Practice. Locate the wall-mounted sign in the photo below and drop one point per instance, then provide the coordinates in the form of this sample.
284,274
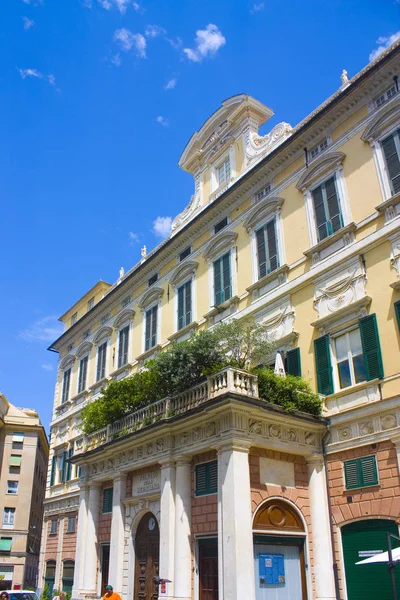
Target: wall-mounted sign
163,587
271,569
146,483
367,553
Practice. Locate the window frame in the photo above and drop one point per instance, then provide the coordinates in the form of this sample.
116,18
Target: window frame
219,259
206,465
181,285
148,309
53,530
383,173
336,378
103,343
15,493
103,497
81,388
125,330
9,522
229,155
90,304
71,520
322,183
66,389
360,476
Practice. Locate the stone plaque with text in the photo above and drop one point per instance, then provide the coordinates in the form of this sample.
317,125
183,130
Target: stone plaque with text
146,483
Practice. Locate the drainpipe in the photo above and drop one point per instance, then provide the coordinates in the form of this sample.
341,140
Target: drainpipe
335,565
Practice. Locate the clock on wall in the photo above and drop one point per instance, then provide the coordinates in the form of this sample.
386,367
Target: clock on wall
151,523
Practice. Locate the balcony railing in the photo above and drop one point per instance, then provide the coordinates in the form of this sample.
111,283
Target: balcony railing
228,380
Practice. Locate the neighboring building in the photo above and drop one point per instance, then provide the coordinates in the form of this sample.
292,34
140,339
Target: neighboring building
24,454
301,229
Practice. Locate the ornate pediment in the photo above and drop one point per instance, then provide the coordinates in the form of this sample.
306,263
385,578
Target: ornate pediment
67,361
123,317
102,334
262,210
150,297
84,349
225,240
327,162
387,116
183,272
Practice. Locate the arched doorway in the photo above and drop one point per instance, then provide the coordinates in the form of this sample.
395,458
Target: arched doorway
360,540
279,564
147,549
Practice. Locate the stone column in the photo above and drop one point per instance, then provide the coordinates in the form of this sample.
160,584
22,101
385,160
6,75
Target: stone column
167,525
235,537
183,555
89,576
59,563
320,529
80,542
117,533
396,441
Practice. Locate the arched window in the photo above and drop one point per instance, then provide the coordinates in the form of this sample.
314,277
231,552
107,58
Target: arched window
50,574
68,575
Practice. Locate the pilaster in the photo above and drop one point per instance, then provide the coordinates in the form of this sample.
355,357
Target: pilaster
80,542
183,554
89,578
167,525
117,532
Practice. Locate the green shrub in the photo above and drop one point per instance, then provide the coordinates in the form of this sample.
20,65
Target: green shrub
45,593
290,392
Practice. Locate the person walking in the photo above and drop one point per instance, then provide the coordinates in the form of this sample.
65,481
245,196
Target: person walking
110,594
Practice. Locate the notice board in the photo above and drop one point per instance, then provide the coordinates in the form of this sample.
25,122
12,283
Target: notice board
271,569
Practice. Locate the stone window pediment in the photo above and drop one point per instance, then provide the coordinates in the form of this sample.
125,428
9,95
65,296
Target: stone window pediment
219,244
388,116
320,167
261,211
84,349
102,334
150,297
67,361
125,316
183,272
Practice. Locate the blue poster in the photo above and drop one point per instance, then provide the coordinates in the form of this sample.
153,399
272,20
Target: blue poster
271,569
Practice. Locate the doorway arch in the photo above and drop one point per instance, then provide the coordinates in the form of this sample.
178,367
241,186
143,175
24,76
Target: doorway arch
279,537
147,551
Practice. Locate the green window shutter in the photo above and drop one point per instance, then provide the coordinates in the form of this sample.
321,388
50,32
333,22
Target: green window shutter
188,302
351,474
15,460
320,215
293,364
212,477
332,201
272,246
371,347
226,275
148,329
392,161
107,500
53,470
261,253
64,467
5,544
397,311
206,475
323,365
218,295
368,470
69,465
181,307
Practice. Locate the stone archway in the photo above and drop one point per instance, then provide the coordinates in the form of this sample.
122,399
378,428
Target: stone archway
147,550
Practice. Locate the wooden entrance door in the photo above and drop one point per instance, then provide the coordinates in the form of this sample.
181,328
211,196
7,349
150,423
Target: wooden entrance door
105,564
208,569
147,548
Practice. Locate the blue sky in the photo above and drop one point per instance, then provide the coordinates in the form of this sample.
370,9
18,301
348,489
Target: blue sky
97,101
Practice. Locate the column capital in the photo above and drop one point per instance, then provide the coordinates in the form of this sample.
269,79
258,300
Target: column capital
182,460
234,446
315,460
166,462
395,438
122,475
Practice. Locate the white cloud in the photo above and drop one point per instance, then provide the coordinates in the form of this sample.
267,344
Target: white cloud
37,74
153,31
47,367
116,59
257,7
121,5
171,84
176,44
162,226
134,238
384,42
51,79
207,43
46,329
28,23
128,40
163,121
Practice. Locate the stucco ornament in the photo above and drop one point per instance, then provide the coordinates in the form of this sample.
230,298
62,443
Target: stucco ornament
257,145
344,77
255,426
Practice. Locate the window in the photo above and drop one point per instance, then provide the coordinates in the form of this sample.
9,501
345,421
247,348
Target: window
71,525
101,361
8,518
152,280
68,474
224,172
185,304
349,359
125,302
83,364
58,469
107,500
5,544
206,476
185,253
222,279
90,304
18,436
220,225
74,318
68,575
50,574
263,193
53,526
151,328
65,386
267,249
391,152
318,148
360,472
357,355
15,460
123,345
12,487
328,216
386,96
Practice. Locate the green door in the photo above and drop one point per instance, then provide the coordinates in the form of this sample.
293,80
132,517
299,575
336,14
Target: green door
368,582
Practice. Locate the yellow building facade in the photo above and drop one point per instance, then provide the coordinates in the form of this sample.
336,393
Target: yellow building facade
300,229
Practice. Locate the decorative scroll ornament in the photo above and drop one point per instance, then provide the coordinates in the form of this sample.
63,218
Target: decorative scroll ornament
257,146
193,206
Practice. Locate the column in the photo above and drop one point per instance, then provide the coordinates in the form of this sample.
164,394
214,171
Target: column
42,559
320,529
80,542
89,578
396,441
59,563
235,537
116,569
183,554
167,526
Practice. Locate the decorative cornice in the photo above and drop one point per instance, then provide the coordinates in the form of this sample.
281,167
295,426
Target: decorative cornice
84,349
183,271
124,316
151,296
67,361
388,115
225,239
261,210
102,334
326,163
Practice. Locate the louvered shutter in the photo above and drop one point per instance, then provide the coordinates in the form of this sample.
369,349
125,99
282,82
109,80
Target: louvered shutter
53,470
181,308
323,365
206,475
332,201
261,253
226,276
107,500
148,329
212,483
272,248
392,161
69,465
351,474
188,302
371,347
397,311
201,485
154,326
63,467
217,282
293,364
320,216
368,469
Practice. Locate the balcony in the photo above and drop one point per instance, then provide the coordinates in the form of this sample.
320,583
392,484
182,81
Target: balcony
226,381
